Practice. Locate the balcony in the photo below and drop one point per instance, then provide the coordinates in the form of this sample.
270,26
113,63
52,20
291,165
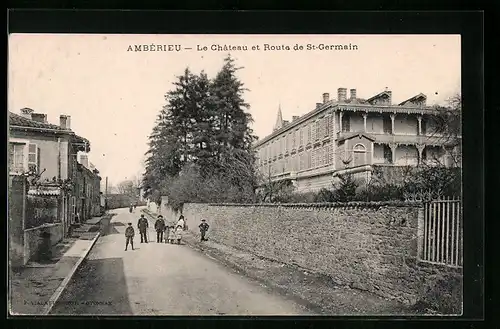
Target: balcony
400,139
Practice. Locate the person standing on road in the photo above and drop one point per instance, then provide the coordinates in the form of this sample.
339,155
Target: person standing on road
181,222
203,229
129,235
167,232
160,228
143,225
171,233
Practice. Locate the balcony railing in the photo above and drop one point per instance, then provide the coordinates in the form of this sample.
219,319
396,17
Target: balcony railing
432,139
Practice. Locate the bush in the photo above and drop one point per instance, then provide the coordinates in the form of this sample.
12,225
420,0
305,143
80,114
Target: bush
324,195
345,189
388,192
441,294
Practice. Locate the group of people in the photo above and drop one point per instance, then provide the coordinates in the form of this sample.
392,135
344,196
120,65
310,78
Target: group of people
164,232
132,207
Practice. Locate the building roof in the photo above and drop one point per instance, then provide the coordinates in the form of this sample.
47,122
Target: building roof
17,121
379,95
414,98
355,105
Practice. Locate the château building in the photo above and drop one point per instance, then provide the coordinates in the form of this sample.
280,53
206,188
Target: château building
351,135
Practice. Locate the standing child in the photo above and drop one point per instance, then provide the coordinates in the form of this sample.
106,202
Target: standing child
178,233
203,229
129,235
171,235
167,232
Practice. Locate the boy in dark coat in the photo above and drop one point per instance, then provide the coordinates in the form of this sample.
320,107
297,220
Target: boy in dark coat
129,235
160,228
143,225
203,229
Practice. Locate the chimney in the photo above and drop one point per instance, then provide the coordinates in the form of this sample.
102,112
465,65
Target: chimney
39,117
353,94
84,160
326,98
65,121
295,117
318,105
27,112
342,94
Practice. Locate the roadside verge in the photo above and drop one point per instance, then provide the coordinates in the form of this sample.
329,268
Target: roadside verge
36,288
317,292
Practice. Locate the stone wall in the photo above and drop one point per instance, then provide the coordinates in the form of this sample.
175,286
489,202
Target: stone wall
369,246
17,207
32,238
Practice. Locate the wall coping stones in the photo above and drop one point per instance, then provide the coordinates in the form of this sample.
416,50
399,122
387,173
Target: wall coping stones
361,204
43,226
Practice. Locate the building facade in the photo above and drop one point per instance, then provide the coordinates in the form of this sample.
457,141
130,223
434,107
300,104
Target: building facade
47,154
352,135
87,199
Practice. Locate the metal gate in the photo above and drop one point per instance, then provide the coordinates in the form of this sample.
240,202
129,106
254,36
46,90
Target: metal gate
443,232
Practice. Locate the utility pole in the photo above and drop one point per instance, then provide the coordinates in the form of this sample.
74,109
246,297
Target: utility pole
106,188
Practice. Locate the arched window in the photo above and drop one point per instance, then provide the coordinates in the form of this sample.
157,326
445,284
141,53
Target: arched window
359,155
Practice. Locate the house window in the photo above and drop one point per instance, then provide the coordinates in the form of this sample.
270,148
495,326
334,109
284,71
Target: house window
301,136
387,154
328,159
346,123
327,126
424,126
387,125
33,158
318,129
17,157
309,133
359,154
313,158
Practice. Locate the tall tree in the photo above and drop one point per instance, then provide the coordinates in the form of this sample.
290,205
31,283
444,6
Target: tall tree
232,122
204,124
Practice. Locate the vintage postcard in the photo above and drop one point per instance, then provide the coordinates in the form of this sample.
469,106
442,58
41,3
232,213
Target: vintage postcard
235,174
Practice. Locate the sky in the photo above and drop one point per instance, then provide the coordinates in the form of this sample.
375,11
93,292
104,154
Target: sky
113,94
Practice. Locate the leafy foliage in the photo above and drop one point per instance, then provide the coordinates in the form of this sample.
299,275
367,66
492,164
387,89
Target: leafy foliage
200,148
442,294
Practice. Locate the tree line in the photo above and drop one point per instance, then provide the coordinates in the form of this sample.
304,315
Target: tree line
200,149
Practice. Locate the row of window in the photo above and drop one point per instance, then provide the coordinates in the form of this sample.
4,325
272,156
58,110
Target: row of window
312,132
310,159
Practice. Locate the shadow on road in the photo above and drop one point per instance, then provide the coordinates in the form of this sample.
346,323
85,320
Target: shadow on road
99,287
112,228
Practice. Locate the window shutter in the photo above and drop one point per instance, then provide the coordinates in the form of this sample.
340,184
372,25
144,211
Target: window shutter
33,157
38,159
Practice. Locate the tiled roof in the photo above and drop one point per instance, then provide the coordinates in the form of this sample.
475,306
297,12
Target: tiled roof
18,120
377,96
413,98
